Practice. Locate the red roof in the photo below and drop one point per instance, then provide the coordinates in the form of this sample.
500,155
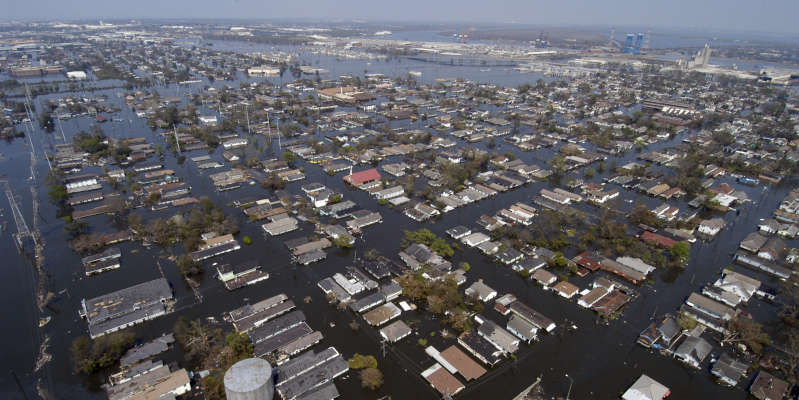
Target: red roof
585,260
659,240
361,177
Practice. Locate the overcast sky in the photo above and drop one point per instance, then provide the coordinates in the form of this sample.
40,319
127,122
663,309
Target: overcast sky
777,16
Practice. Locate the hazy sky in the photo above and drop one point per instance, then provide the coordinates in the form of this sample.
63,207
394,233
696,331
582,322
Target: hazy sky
732,15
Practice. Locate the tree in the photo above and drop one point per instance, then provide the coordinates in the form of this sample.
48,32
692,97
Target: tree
559,261
746,331
46,121
196,338
241,345
343,242
289,157
90,356
791,349
429,239
187,266
371,378
57,193
686,321
640,214
359,361
74,228
681,251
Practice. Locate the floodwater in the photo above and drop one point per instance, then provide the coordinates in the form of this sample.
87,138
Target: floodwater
602,360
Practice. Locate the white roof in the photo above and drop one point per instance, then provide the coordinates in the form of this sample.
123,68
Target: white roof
646,388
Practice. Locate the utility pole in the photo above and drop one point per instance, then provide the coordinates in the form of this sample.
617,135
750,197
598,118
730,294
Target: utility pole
177,142
571,382
61,127
247,114
269,130
278,134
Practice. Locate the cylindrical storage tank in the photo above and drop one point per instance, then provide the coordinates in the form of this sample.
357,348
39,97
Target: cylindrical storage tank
249,379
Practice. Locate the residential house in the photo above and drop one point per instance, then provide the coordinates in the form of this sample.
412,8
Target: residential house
711,227
729,370
481,291
753,242
566,289
693,350
646,388
544,277
768,387
773,250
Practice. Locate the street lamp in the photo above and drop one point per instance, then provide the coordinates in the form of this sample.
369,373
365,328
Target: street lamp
571,382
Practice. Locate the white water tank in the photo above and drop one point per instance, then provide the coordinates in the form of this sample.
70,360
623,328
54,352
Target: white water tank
249,379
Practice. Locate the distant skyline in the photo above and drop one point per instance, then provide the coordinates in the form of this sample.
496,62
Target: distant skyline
772,16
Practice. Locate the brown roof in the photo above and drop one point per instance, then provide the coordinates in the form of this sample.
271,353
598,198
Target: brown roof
566,288
611,303
467,367
766,386
443,381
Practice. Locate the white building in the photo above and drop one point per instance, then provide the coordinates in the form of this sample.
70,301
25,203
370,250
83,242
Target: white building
76,75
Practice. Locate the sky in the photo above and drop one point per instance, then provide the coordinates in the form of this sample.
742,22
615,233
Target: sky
776,16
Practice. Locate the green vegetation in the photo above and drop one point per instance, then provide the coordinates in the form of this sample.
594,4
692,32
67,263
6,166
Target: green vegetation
465,266
422,342
686,321
442,298
46,121
289,157
681,251
247,240
428,238
57,193
455,175
359,361
90,356
371,377
92,143
187,227
559,261
343,242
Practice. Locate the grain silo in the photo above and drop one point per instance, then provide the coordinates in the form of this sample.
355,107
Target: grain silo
249,379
